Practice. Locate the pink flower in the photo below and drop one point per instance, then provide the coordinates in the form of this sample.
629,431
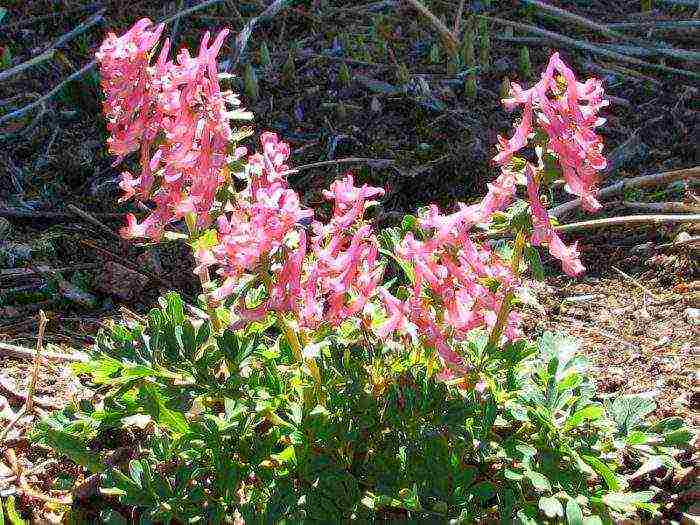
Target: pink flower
567,111
182,103
544,233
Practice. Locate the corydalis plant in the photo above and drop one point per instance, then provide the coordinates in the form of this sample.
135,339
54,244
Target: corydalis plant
269,255
174,113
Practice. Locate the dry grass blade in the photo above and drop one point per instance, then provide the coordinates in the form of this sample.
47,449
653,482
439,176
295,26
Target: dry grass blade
29,406
447,37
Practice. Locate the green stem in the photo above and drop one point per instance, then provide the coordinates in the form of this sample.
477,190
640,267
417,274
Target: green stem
204,277
508,299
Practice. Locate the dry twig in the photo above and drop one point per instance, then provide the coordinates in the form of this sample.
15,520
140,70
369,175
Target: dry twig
662,207
92,220
19,352
637,182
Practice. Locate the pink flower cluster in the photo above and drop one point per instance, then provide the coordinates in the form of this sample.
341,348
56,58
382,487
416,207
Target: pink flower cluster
175,113
324,276
458,284
567,111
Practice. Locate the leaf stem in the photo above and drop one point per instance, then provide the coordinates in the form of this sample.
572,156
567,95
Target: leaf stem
508,299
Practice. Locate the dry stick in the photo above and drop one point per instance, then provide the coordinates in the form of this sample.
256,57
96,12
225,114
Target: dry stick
34,61
448,37
92,220
662,207
18,273
245,33
590,47
676,24
563,14
88,67
631,220
19,352
637,182
10,390
347,160
680,242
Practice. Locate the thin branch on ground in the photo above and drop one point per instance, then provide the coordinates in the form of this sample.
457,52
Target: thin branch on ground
636,283
19,352
631,220
563,14
626,184
12,213
374,163
591,47
49,53
92,220
662,207
88,67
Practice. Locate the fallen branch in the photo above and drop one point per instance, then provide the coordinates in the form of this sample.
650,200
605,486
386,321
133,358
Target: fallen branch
447,36
636,283
37,360
662,207
10,390
592,48
49,53
41,101
637,182
19,352
11,213
18,273
668,51
631,220
675,24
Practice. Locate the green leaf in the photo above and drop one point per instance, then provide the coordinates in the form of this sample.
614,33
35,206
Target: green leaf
288,455
551,507
629,411
12,514
637,437
605,472
592,520
574,516
627,503
589,413
539,481
3,12
678,437
668,425
484,490
532,256
154,404
73,448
